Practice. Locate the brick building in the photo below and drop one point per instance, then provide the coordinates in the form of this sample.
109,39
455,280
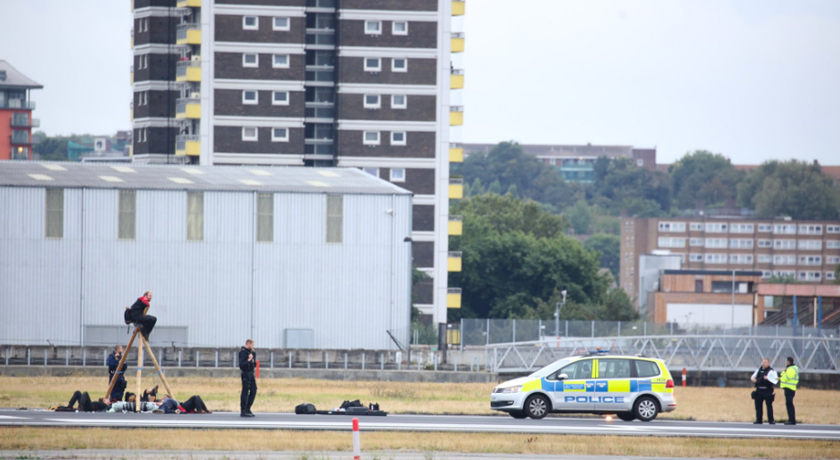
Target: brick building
350,83
16,108
805,250
706,298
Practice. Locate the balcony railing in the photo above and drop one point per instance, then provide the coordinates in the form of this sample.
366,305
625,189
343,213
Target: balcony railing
17,104
188,108
453,298
456,188
188,71
454,261
20,138
456,153
188,144
320,3
189,34
320,39
458,42
456,225
25,123
458,7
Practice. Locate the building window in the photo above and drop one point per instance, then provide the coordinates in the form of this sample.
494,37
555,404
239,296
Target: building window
281,24
372,101
766,274
373,27
832,244
716,228
279,135
741,244
373,64
399,28
696,227
399,101
279,98
398,138
784,273
397,174
672,226
127,228
784,244
784,229
250,60
265,217
195,216
371,137
250,97
832,260
810,245
784,260
335,218
829,275
764,259
765,244
740,259
55,213
250,23
280,61
810,229
742,228
716,242
372,171
765,228
832,228
399,65
695,257
716,258
665,242
250,134
810,260
810,276
698,285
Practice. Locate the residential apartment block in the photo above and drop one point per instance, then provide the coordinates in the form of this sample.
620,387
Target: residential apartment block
16,108
349,83
805,250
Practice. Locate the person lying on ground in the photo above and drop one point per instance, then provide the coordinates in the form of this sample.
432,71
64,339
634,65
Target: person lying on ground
168,405
150,394
194,405
85,403
130,406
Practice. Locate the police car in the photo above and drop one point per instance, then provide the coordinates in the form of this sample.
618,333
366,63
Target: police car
632,387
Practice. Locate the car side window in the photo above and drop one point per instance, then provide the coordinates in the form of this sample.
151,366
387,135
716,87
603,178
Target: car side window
646,369
614,368
577,370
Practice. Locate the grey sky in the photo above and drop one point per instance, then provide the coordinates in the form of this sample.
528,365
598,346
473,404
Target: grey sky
752,79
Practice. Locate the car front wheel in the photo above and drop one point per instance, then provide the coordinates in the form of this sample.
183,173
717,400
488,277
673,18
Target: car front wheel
645,409
537,407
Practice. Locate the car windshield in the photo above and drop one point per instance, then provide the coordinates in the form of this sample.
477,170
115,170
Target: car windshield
551,367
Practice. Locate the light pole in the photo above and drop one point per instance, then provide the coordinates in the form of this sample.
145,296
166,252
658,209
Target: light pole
733,300
557,307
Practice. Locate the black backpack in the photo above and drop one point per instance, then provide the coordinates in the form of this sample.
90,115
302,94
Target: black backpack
127,315
305,408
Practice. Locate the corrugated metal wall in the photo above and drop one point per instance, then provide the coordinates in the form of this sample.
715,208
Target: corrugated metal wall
223,289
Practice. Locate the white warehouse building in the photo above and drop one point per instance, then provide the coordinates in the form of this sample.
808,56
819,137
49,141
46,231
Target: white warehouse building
291,257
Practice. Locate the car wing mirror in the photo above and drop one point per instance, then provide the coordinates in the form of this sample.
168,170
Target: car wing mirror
562,377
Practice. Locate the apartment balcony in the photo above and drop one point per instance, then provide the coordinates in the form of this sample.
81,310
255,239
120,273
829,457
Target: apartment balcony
188,4
456,153
17,104
187,145
17,122
459,7
189,34
132,38
456,225
458,41
453,261
456,79
20,137
188,71
453,298
131,111
188,108
132,76
456,188
456,115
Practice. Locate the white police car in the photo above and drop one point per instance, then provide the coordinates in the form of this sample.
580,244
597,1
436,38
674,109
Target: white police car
632,387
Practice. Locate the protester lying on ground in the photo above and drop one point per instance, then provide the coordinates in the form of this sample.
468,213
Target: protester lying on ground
168,405
194,405
150,394
85,403
130,406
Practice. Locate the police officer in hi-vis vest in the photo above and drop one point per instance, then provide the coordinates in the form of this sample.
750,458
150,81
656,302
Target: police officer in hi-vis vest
789,379
764,379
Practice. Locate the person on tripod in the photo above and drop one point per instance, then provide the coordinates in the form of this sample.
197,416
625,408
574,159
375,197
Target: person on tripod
789,379
140,318
247,365
764,378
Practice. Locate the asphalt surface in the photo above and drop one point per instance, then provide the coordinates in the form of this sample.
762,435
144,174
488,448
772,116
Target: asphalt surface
430,423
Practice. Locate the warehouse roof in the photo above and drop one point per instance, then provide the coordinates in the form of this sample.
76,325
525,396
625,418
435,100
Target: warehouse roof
203,178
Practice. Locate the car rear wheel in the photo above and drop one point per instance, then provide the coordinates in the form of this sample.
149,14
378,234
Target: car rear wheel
626,416
537,407
645,409
518,414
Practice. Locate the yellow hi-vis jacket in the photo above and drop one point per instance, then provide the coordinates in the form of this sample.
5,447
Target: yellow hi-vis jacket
789,378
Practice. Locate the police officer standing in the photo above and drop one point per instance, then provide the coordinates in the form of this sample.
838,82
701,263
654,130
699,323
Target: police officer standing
789,378
113,362
764,379
247,365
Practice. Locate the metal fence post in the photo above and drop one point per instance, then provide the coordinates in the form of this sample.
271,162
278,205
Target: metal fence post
290,360
567,329
45,357
672,328
461,335
593,329
645,328
272,359
488,332
234,358
84,356
381,362
217,358
619,328
104,357
308,361
495,362
7,355
179,358
777,330
66,356
363,360
514,332
326,360
456,364
160,357
345,361
197,357
434,360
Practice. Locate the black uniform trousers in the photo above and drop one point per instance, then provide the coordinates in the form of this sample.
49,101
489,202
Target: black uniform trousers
789,395
249,392
765,396
148,323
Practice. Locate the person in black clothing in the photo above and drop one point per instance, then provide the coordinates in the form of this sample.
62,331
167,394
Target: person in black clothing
764,378
150,394
85,403
113,362
146,322
247,365
194,405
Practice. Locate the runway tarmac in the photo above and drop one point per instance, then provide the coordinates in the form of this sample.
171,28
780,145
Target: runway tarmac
430,423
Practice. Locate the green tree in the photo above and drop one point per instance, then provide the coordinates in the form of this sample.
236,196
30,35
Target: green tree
790,188
495,187
703,175
837,274
513,191
621,185
503,214
609,248
476,188
580,216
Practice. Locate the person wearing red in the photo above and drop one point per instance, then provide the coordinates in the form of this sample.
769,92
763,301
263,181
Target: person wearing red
138,316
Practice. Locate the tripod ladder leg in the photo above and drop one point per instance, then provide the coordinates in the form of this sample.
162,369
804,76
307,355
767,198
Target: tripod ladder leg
137,398
122,361
160,372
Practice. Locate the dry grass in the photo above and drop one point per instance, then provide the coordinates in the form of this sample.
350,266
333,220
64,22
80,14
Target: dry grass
250,440
282,395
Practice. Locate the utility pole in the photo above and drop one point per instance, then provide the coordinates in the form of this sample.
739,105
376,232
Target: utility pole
557,308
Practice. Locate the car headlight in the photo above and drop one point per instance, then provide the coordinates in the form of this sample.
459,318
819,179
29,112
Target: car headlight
515,389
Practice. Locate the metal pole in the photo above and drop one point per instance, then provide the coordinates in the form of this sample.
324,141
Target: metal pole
84,357
456,364
160,357
514,332
557,319
290,360
29,358
381,362
434,359
363,360
326,360
217,358
619,328
488,332
197,357
794,315
644,328
272,359
308,362
104,357
179,358
567,329
66,356
819,317
45,357
345,361
418,364
733,300
593,329
461,335
234,358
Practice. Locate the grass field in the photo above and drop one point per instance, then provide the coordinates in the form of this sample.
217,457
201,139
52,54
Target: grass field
377,445
282,395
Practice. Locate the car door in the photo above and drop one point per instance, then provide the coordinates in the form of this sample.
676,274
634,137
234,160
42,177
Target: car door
573,392
612,385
